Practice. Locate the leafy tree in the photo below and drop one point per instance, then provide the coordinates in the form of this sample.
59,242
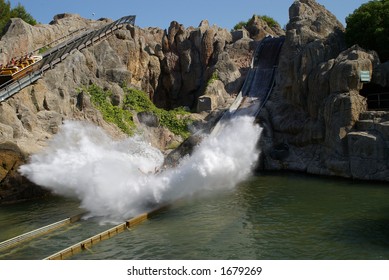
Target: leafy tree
368,26
6,13
240,25
20,12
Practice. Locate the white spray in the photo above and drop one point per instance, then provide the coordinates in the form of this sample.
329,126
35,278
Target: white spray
115,180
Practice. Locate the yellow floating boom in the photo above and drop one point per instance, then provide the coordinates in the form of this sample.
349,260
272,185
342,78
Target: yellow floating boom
89,242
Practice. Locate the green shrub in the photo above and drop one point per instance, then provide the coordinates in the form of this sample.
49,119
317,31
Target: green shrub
240,25
120,117
6,13
138,101
20,12
176,120
43,50
368,26
269,21
214,77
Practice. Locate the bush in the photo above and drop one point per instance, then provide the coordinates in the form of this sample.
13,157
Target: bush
176,120
214,77
240,25
120,117
20,12
5,14
368,26
269,21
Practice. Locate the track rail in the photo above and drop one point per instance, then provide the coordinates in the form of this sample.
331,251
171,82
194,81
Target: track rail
16,241
61,51
89,242
259,83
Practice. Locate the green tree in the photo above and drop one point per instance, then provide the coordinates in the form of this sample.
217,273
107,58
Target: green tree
20,12
239,25
368,26
5,13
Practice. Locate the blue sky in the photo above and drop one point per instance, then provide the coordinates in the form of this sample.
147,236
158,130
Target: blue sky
157,13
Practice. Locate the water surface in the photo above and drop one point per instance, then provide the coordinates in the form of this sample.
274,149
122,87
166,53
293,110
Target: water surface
269,216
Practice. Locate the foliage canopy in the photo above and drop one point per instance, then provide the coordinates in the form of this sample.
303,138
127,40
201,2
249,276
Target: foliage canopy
368,26
6,13
269,20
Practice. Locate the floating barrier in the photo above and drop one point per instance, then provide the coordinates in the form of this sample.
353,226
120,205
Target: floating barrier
89,242
16,241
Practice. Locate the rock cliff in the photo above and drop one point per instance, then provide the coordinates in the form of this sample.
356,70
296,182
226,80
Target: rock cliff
174,66
316,120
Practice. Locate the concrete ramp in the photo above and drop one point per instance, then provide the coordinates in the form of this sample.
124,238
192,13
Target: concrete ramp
259,82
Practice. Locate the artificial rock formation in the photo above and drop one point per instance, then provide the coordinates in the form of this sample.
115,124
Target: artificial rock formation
173,66
316,120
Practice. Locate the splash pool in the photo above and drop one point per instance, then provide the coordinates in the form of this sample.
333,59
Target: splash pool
272,216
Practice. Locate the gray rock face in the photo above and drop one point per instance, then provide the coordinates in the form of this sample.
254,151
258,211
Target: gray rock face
316,120
191,56
259,29
173,66
317,109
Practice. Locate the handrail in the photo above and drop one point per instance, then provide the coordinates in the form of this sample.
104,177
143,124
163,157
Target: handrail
382,101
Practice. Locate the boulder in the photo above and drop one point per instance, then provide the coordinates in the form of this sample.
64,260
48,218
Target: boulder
316,108
148,119
259,29
313,36
13,186
215,97
368,156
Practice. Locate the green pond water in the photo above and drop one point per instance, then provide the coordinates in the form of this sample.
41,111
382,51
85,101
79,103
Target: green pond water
269,216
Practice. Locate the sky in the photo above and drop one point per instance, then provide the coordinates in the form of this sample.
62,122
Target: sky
157,13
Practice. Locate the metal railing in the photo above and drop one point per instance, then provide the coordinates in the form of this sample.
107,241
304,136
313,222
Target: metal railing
60,52
379,100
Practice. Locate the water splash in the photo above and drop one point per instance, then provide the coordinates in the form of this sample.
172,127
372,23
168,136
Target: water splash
116,180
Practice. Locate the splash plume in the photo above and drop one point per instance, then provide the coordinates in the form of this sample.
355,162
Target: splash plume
116,180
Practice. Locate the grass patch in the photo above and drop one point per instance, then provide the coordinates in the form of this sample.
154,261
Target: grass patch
177,120
43,50
117,115
214,77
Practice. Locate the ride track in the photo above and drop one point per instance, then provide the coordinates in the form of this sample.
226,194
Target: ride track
60,52
259,82
255,92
